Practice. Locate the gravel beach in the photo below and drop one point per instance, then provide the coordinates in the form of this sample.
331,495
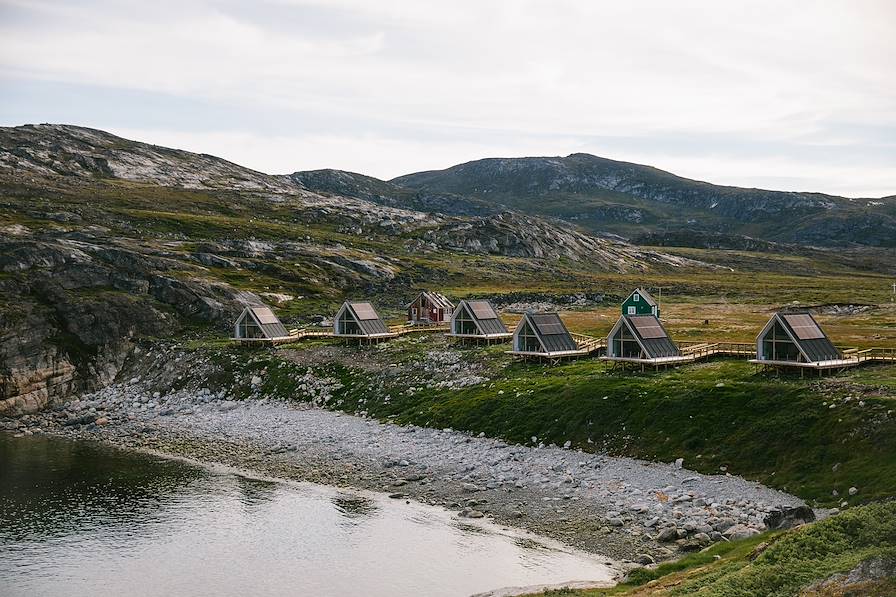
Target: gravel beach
619,507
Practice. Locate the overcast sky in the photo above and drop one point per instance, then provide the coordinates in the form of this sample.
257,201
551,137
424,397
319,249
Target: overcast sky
793,95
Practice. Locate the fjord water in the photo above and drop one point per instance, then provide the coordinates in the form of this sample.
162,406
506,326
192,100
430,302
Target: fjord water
80,518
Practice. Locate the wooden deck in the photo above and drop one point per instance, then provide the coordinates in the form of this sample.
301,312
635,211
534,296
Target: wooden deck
691,351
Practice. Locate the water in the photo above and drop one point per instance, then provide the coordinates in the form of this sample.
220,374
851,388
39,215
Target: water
83,519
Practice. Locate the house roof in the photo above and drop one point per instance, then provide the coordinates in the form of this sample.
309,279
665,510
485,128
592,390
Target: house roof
807,335
646,296
551,331
650,334
366,317
269,323
440,301
484,315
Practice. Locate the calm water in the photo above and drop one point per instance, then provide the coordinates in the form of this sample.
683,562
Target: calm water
83,519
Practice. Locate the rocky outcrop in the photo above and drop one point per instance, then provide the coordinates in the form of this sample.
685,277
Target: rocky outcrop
71,309
66,150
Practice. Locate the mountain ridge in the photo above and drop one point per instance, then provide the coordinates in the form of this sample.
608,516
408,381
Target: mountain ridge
604,195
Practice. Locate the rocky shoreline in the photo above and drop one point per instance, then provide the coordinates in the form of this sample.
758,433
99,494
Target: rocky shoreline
626,509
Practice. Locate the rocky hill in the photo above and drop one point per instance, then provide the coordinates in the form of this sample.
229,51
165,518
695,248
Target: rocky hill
603,195
104,240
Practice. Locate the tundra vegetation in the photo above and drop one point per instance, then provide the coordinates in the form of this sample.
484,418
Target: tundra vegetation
108,244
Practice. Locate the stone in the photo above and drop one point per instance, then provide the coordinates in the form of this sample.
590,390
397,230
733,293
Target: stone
739,531
853,491
471,487
645,559
787,517
615,522
667,534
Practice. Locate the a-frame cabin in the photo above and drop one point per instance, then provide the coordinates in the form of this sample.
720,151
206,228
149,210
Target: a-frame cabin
642,339
796,340
360,320
257,323
544,335
477,320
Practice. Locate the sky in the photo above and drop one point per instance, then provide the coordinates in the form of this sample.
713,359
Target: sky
797,95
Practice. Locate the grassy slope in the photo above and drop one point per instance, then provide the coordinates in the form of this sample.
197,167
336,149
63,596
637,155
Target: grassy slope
783,432
775,564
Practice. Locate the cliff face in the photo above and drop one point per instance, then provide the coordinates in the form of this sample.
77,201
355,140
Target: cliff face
72,307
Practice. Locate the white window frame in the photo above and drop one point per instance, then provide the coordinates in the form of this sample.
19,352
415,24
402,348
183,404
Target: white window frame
636,297
632,310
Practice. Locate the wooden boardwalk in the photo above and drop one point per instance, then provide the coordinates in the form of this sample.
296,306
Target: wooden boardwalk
691,350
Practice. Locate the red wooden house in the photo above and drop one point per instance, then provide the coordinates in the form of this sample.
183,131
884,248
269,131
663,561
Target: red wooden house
430,307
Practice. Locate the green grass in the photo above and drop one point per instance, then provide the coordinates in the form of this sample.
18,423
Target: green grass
780,431
773,564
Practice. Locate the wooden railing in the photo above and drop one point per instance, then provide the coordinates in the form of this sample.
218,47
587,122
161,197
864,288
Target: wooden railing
588,343
700,350
406,328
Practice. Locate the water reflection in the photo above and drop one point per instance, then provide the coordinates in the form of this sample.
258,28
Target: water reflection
50,486
81,519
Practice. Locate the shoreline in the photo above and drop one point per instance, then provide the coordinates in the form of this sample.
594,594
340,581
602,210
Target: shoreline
632,511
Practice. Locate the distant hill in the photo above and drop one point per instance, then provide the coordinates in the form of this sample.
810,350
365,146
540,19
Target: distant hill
603,195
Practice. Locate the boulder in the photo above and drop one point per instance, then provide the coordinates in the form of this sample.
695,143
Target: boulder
787,517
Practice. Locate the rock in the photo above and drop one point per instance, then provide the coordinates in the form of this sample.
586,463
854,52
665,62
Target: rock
739,531
788,517
471,487
645,559
853,491
82,420
102,421
702,538
679,462
615,522
398,496
667,534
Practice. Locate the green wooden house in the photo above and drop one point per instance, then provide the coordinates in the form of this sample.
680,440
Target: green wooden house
640,302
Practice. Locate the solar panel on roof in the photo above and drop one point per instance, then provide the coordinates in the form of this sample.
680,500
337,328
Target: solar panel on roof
804,326
482,310
364,311
548,324
264,315
648,327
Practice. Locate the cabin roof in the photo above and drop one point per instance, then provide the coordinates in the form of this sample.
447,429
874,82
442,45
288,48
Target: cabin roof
269,323
366,317
437,299
650,334
485,316
552,332
645,295
806,334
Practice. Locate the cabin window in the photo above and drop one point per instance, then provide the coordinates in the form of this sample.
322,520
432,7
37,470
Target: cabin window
527,341
777,345
653,310
347,324
632,310
636,297
625,345
414,312
250,329
464,324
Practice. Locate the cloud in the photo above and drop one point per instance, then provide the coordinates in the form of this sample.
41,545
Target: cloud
434,78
